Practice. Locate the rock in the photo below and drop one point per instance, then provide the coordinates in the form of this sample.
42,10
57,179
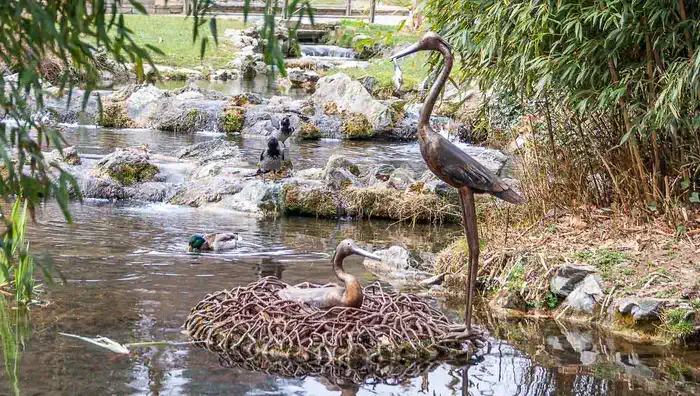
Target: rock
300,199
256,197
401,178
509,299
396,257
586,295
339,161
114,115
310,174
369,82
150,191
383,172
223,75
308,131
126,167
579,341
212,190
567,277
210,151
352,97
357,126
302,78
642,309
69,155
143,103
340,178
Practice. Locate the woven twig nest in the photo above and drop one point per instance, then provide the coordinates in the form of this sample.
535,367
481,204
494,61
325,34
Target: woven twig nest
252,321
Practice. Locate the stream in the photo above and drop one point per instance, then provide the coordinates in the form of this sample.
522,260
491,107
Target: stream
127,277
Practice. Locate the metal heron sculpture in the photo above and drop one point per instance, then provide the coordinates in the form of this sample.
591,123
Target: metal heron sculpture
454,166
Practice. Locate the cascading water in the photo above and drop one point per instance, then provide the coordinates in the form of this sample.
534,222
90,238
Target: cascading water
328,51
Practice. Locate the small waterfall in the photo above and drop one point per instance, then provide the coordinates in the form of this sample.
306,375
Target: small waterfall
328,51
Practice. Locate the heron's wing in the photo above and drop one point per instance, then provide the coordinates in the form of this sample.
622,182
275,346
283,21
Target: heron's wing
465,169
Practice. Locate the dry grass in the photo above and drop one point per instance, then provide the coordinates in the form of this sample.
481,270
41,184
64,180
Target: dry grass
648,260
389,203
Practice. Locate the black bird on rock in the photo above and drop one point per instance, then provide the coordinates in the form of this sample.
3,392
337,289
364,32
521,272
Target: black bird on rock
271,158
453,166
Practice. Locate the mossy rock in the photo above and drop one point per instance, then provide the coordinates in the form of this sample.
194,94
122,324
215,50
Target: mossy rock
309,131
331,108
231,120
127,167
308,201
182,121
357,126
114,116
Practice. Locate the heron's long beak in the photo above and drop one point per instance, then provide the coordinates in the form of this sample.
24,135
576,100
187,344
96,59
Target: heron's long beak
408,51
367,254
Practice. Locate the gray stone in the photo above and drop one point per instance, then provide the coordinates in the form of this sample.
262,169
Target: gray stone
401,178
209,151
369,82
580,341
339,161
352,97
340,178
257,197
143,103
69,155
586,295
642,309
396,257
567,277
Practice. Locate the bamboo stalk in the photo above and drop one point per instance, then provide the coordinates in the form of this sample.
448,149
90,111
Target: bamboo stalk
634,148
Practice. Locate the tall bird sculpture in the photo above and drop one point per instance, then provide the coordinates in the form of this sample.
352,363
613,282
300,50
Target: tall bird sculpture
454,166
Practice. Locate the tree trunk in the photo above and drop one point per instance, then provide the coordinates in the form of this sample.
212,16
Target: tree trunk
348,8
372,9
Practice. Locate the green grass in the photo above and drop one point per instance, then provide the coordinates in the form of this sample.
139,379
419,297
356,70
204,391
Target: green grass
414,69
173,36
609,262
674,326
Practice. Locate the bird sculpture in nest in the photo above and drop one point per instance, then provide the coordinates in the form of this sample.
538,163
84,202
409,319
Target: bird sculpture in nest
327,297
453,166
214,241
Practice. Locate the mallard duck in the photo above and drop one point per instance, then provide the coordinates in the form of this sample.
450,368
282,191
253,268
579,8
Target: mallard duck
214,241
327,297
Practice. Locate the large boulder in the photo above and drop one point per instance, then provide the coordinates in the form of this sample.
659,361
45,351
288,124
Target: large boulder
205,151
142,104
642,309
126,167
352,97
69,155
257,197
567,277
586,296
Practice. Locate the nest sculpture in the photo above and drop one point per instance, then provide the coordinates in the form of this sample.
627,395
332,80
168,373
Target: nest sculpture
253,321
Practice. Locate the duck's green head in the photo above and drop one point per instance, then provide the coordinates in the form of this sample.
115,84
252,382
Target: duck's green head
196,242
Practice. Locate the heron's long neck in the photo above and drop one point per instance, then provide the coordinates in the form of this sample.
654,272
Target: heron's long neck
430,100
352,297
340,271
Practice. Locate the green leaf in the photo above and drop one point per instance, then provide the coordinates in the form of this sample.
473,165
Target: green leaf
203,48
212,28
694,197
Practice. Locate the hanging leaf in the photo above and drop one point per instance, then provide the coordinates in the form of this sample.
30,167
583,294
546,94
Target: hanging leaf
695,197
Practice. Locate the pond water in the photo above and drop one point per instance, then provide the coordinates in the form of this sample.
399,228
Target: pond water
128,278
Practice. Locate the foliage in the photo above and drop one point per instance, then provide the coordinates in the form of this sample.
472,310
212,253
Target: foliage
674,324
616,84
16,264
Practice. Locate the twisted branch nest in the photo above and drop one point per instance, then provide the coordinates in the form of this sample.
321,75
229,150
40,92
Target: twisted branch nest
251,321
